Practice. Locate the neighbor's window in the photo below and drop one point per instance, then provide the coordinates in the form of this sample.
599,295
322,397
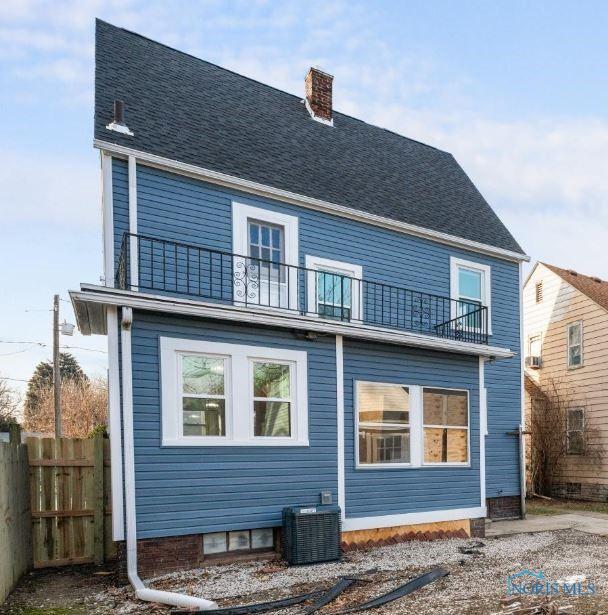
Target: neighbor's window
470,287
575,344
535,346
203,395
446,426
272,399
384,423
575,431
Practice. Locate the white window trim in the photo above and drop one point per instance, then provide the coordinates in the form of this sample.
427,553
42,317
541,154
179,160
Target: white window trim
241,214
568,327
416,426
441,464
486,290
239,398
568,430
532,336
316,263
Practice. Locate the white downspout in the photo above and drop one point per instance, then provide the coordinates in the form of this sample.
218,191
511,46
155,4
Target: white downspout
141,591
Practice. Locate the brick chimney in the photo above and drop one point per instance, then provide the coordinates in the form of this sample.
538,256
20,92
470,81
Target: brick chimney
318,95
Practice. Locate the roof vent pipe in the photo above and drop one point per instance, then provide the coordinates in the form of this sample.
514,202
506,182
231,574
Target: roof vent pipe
118,123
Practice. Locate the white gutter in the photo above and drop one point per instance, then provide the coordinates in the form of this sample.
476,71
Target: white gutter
141,591
237,183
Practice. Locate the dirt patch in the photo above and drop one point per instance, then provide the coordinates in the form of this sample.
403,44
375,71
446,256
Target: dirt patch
476,584
59,591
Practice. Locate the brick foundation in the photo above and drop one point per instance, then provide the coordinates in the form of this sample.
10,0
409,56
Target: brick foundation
593,492
478,528
506,507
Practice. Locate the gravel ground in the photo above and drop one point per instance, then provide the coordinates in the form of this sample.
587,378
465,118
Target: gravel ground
476,584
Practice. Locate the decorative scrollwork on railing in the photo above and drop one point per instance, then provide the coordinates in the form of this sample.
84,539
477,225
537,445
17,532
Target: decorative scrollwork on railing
421,311
246,280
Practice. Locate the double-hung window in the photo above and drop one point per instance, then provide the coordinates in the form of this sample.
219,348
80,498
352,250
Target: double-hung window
574,333
575,431
203,394
470,289
334,288
446,426
384,423
264,268
229,394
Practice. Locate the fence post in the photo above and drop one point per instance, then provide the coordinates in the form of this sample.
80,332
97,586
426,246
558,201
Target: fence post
98,518
14,430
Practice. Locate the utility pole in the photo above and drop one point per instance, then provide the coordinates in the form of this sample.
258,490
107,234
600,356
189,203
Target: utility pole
56,367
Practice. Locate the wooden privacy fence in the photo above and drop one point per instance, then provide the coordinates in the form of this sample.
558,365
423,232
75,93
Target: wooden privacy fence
70,495
15,540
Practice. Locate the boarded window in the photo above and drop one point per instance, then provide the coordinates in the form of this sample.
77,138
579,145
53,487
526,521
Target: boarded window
446,426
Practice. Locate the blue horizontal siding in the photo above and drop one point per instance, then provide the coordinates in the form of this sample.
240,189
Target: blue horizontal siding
196,490
183,209
404,490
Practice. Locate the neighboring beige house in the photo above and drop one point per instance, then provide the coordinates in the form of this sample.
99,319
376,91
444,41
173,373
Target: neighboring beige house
566,342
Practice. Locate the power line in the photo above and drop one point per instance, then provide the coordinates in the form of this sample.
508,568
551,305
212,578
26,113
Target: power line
82,348
43,345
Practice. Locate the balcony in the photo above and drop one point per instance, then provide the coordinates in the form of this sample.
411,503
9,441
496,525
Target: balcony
191,271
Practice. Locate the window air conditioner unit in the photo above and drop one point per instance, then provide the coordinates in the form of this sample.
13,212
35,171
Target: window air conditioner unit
533,362
311,534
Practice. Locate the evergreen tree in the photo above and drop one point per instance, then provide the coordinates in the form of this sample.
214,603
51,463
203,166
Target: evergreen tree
42,379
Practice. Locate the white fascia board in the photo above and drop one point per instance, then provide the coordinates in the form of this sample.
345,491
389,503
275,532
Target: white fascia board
431,516
171,305
286,196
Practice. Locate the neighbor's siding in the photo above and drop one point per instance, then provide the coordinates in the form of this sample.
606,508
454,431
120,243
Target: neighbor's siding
586,386
404,490
195,490
184,209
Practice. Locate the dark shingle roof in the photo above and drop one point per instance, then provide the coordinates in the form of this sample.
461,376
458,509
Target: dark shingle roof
186,109
595,288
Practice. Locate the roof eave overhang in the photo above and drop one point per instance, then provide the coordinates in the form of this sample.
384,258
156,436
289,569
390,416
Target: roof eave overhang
91,301
263,190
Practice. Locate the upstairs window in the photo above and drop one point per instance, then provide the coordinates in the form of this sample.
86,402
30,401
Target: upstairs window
574,333
264,268
575,431
470,288
535,346
333,288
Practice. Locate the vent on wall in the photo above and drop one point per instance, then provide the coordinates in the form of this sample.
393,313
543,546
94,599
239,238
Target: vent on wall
539,292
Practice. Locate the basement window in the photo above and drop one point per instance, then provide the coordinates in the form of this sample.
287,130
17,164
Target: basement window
238,541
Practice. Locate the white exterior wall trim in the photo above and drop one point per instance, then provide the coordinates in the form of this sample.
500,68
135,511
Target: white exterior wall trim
133,251
431,516
107,219
340,423
92,294
286,196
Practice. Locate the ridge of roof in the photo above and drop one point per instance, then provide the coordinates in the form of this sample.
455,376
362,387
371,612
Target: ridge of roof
592,286
190,110
267,85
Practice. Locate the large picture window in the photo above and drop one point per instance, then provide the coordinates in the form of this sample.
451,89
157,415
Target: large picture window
216,394
446,426
384,423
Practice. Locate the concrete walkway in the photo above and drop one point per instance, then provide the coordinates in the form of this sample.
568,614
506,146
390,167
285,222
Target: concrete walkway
591,523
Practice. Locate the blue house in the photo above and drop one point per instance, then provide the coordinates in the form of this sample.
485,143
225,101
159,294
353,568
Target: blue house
301,308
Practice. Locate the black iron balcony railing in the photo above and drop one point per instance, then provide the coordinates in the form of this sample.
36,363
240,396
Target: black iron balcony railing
193,271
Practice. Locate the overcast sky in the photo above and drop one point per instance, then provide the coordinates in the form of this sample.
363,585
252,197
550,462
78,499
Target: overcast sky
516,91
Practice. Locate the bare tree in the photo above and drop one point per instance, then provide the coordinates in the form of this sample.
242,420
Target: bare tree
551,442
84,408
9,402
